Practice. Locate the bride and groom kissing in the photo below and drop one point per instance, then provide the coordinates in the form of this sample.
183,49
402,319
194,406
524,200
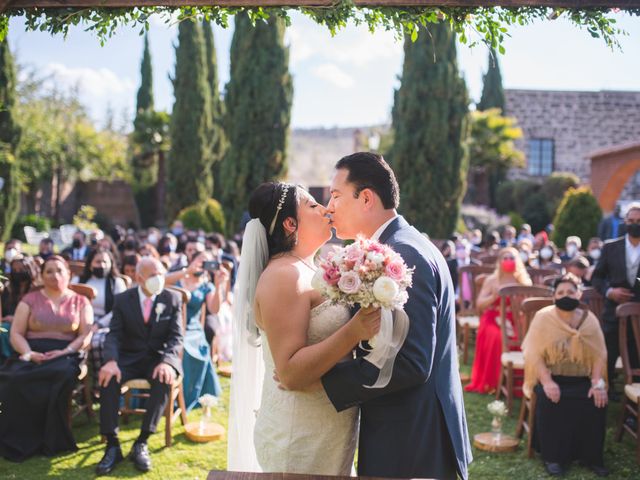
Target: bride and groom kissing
300,397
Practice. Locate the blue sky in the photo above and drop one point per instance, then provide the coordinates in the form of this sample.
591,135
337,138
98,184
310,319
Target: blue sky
347,80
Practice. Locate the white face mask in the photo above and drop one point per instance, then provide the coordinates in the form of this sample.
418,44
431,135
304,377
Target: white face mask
153,239
572,250
154,284
595,253
546,253
10,254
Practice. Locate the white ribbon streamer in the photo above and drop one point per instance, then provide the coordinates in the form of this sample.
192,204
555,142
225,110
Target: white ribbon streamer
387,343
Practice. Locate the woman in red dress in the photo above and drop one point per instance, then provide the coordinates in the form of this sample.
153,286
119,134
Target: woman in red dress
485,372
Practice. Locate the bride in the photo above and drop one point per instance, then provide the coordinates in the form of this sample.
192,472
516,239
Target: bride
285,338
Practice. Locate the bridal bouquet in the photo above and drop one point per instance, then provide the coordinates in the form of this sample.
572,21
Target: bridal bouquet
370,274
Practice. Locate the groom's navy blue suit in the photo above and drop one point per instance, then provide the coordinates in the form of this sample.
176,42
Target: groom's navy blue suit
416,425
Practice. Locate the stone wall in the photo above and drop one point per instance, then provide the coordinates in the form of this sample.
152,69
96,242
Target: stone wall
580,123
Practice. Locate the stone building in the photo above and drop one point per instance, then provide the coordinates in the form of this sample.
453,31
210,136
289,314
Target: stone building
564,130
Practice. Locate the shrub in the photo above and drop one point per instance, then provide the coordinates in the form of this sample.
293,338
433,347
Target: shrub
207,216
578,214
512,194
41,224
555,186
535,211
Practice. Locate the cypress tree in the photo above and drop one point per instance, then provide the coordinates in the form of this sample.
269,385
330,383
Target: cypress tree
217,135
145,92
258,104
9,138
430,127
493,97
189,179
492,92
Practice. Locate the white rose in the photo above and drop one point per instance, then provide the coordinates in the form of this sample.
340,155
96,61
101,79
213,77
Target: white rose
317,282
376,257
385,290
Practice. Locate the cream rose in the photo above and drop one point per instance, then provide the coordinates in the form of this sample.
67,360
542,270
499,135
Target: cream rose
385,290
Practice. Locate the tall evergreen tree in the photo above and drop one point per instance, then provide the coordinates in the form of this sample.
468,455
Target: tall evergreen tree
189,178
9,138
258,104
430,127
217,135
492,92
145,92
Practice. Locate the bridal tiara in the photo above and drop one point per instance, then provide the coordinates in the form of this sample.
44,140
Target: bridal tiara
285,190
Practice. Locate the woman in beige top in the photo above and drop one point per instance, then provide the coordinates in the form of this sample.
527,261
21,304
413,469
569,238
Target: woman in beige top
565,358
51,326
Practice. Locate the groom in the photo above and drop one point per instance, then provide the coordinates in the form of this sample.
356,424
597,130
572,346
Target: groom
416,425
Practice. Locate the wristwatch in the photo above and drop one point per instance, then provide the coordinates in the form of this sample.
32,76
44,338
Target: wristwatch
599,385
26,357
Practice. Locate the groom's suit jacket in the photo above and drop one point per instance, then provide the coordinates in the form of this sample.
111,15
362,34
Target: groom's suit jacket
416,425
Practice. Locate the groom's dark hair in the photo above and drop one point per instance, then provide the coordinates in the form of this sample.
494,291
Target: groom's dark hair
369,170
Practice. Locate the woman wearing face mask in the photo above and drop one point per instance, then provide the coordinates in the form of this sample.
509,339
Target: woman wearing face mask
101,273
50,327
485,372
23,278
200,376
547,257
565,364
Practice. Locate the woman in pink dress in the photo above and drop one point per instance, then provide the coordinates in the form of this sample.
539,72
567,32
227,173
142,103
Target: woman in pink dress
485,372
50,328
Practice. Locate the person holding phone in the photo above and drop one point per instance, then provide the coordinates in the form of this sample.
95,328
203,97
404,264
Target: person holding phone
199,373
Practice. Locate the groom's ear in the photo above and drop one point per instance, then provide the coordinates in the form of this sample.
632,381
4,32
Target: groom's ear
368,197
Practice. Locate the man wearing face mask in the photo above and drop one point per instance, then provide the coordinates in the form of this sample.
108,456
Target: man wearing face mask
78,250
572,248
145,341
616,278
594,250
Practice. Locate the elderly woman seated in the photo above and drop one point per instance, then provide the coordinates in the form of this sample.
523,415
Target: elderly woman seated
565,358
49,329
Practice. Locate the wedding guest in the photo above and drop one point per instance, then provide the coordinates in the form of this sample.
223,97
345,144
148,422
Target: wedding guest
78,250
129,264
11,249
579,266
107,243
148,250
540,240
525,233
485,372
612,226
508,237
565,359
492,242
45,249
594,250
525,250
200,375
548,258
144,341
23,278
50,327
572,247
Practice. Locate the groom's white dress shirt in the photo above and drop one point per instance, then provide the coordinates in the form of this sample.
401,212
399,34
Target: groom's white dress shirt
379,231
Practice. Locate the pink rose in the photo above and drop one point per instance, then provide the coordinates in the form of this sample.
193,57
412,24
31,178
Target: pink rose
376,247
395,271
354,255
349,283
331,275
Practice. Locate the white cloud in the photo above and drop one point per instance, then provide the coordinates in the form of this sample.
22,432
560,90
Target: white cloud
333,74
95,82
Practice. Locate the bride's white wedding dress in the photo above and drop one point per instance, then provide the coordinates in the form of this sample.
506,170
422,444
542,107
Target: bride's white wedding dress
301,432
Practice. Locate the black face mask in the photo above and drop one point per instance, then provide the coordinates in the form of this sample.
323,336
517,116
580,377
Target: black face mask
568,304
164,250
98,272
76,243
44,256
633,229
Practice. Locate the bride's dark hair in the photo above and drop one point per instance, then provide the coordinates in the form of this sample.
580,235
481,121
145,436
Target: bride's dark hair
263,205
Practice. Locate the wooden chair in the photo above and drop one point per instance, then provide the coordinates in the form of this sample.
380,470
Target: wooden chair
76,267
468,316
592,298
81,394
511,358
488,259
526,419
628,315
176,392
549,279
539,274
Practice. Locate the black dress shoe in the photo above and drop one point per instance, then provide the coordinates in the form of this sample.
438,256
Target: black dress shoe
554,469
140,456
112,457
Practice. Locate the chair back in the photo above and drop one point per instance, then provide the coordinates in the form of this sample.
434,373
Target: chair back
549,279
76,267
82,289
186,296
489,259
628,315
530,307
516,294
472,273
539,274
592,298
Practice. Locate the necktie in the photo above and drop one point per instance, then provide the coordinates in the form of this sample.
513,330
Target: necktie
146,311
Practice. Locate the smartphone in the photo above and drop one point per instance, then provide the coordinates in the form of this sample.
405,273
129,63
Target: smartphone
211,265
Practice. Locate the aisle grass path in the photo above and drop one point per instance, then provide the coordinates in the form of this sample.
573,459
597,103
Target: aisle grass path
187,460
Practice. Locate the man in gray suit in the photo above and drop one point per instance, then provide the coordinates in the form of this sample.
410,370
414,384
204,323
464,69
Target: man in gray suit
415,426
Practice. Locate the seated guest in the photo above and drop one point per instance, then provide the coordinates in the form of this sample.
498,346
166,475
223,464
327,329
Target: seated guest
78,250
508,237
547,258
144,341
12,249
525,250
129,264
23,278
572,248
492,242
594,250
525,233
49,329
200,375
101,273
45,249
485,372
579,266
565,362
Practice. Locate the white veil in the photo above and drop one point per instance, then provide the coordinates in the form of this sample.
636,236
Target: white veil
248,366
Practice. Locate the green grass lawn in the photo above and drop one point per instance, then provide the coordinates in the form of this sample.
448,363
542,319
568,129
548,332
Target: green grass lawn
187,460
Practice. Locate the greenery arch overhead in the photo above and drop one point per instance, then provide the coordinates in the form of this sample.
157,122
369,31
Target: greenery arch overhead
474,21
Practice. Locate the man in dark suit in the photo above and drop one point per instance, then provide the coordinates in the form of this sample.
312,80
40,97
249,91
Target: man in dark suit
415,426
145,341
78,250
616,278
